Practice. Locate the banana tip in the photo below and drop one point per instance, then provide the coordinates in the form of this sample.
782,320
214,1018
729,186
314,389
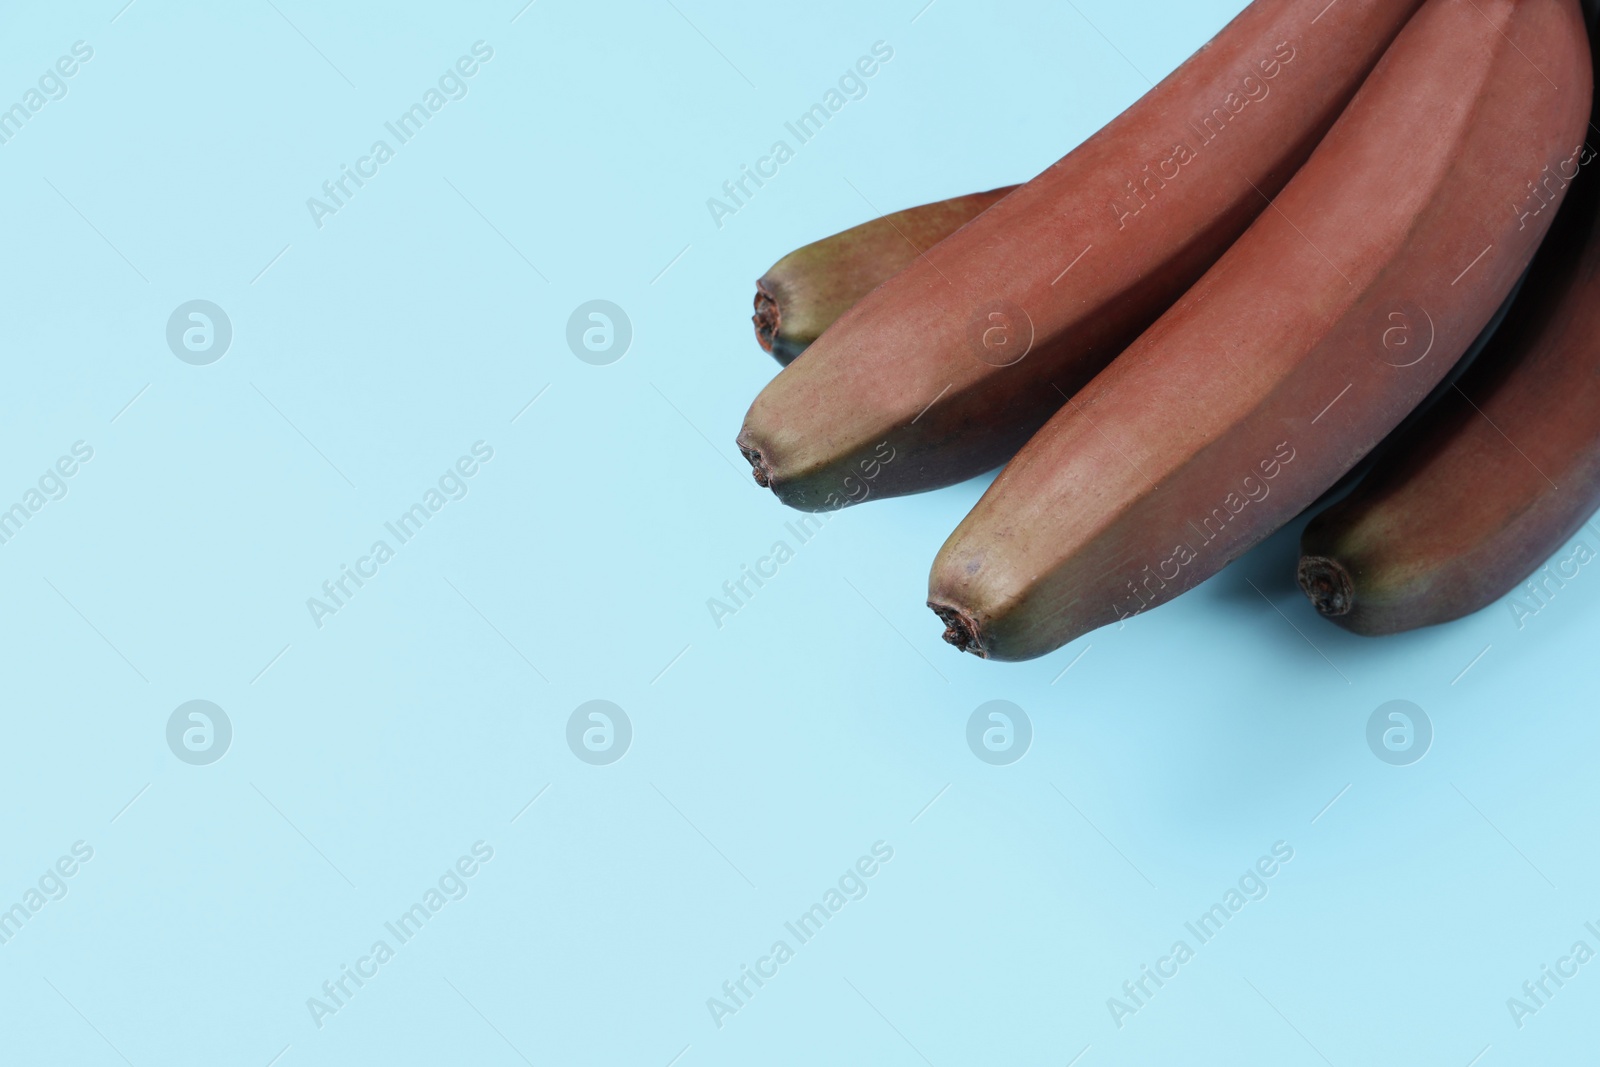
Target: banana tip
758,463
1328,585
960,629
767,316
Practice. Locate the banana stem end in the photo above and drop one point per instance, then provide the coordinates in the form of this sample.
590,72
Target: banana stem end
1328,585
768,316
960,629
758,465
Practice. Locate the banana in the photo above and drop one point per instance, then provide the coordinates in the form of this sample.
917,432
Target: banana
804,292
1313,336
956,360
1499,475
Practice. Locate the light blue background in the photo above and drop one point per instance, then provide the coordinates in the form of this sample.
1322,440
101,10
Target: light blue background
768,754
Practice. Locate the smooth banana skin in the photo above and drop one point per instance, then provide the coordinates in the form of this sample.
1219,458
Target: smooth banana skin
807,290
1498,476
1310,339
959,358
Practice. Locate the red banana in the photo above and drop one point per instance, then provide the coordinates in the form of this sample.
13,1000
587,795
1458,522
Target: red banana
959,358
1500,473
804,292
1309,340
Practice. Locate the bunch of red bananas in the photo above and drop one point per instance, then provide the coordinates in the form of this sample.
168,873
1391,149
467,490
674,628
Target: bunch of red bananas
1262,276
